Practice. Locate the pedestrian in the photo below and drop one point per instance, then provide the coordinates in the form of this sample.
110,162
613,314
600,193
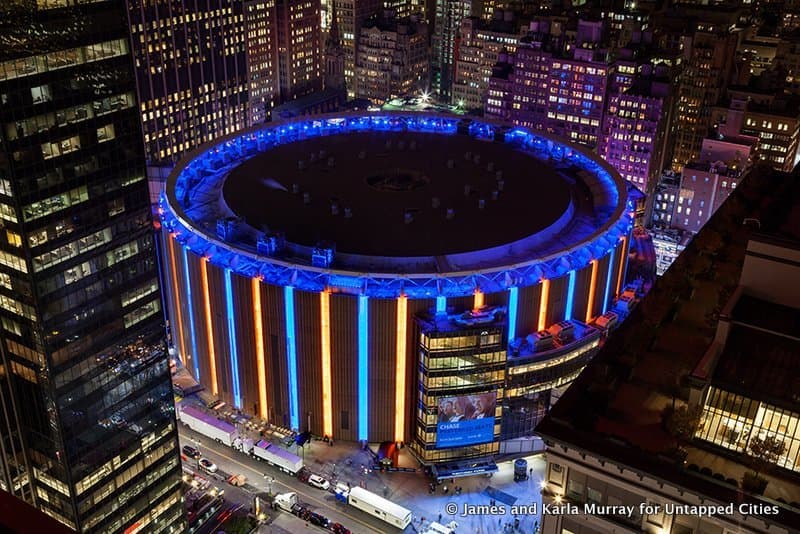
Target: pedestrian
531,471
499,521
444,489
440,518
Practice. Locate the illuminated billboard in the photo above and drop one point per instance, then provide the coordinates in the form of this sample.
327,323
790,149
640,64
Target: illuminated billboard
466,420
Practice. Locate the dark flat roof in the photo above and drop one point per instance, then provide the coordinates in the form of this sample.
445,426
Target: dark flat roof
761,365
767,315
380,188
613,409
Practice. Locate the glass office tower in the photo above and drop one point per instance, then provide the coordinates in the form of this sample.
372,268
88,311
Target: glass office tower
87,427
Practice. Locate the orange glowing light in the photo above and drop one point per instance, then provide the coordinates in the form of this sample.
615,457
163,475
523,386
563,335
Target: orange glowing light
592,291
176,300
261,366
325,339
543,304
400,384
212,358
622,258
478,299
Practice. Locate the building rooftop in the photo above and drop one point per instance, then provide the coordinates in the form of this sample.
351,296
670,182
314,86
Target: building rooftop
383,176
614,408
350,198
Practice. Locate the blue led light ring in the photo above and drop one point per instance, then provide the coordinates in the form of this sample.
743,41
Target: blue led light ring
383,285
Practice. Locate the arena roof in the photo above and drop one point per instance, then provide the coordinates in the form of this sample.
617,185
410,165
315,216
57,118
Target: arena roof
390,182
557,208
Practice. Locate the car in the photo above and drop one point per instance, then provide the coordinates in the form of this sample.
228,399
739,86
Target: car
319,482
208,465
338,528
190,451
303,474
317,519
117,420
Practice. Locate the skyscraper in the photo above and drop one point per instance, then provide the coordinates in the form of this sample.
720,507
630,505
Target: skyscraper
203,70
634,128
392,58
88,432
351,15
449,14
299,48
480,46
700,87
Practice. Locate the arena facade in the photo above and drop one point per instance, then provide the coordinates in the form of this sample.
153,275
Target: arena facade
383,277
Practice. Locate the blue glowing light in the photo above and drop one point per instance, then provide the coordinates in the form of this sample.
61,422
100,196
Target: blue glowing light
189,302
513,300
570,295
441,304
608,279
187,197
237,395
291,357
363,368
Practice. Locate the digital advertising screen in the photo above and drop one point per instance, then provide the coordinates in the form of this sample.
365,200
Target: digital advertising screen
466,420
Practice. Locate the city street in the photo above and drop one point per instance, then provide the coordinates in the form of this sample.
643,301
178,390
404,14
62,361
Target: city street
231,462
344,462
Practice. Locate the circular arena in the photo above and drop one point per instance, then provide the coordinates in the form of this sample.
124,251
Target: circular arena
353,274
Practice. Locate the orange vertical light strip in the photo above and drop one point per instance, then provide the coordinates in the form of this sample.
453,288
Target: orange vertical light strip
543,302
400,384
212,357
478,300
325,341
260,364
176,299
592,290
622,259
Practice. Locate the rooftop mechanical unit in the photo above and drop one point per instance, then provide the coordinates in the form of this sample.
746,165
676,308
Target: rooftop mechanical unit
270,244
229,228
322,254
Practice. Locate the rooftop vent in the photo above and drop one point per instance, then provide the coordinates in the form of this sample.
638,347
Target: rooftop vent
450,164
270,244
481,204
490,166
348,213
322,254
306,198
435,203
295,188
451,214
228,228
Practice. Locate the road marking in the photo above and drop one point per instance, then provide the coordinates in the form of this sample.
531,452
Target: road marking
322,503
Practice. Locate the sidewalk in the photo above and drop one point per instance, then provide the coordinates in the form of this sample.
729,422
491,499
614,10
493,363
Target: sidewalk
345,462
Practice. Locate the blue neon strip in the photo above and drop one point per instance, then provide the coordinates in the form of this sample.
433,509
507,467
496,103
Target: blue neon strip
189,301
291,357
237,396
608,279
570,295
441,304
513,299
363,368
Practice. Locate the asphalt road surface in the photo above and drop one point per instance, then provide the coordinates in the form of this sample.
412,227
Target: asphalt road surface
230,461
